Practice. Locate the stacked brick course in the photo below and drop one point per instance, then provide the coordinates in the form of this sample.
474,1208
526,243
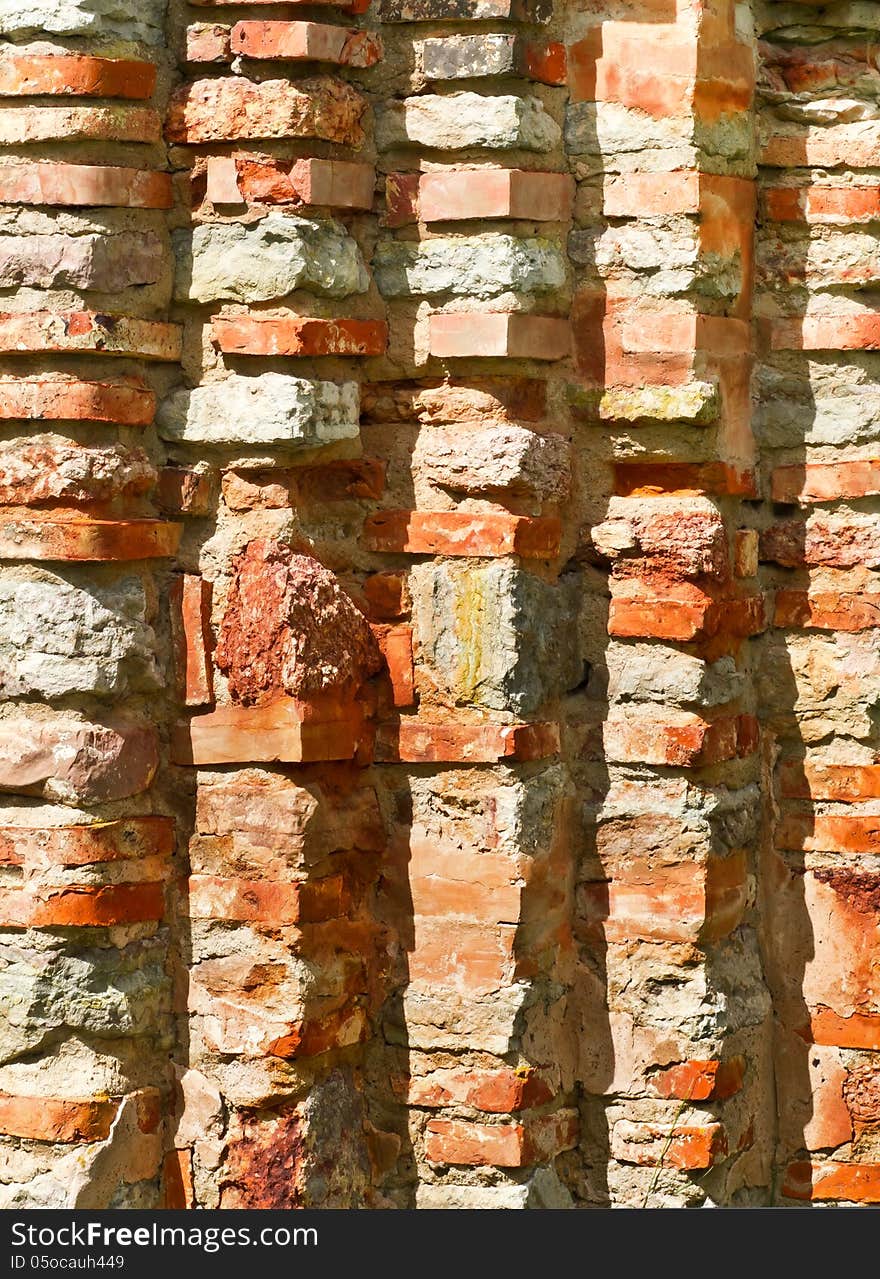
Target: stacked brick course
436,605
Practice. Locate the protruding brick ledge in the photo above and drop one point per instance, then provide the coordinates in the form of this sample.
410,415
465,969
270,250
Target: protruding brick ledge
536,1139
23,538
417,742
75,75
826,481
462,533
826,1180
497,1092
56,1119
89,332
461,194
858,1030
286,731
79,124
640,612
126,402
82,906
515,335
306,42
825,333
298,335
647,479
339,184
129,838
83,185
700,1080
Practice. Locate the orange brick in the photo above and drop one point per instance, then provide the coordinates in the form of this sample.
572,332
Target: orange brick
122,840
688,614
826,333
298,335
190,605
689,1147
498,1092
828,610
208,42
700,1080
79,539
460,194
829,205
316,1035
88,332
75,75
55,1119
417,742
182,491
824,482
396,645
306,42
265,901
177,1183
286,731
82,906
84,185
462,533
680,741
826,1180
841,782
263,179
546,63
519,336
818,832
127,402
457,1141
387,595
646,479
858,1030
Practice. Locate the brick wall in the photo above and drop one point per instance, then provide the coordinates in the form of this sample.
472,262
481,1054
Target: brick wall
437,604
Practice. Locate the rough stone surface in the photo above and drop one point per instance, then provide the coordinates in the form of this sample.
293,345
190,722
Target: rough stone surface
45,469
464,120
288,628
503,458
479,265
102,18
273,409
77,763
221,110
105,263
266,260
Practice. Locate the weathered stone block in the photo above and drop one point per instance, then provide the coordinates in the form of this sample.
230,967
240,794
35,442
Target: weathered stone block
106,263
49,468
225,109
120,18
474,633
274,410
505,458
467,120
480,265
76,762
267,259
62,635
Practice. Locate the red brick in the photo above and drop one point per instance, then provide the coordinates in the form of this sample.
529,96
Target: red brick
76,75
458,1141
129,838
177,1183
501,1091
646,479
681,740
828,205
546,63
221,110
83,906
825,482
190,605
519,336
88,332
127,402
841,782
263,179
700,1080
208,42
298,335
265,901
826,333
689,1147
79,124
84,185
82,539
417,742
456,955
182,491
306,42
460,194
57,1119
835,540
462,533
285,731
387,595
828,610
821,832
316,1035
644,195
858,1030
396,646
826,147
222,181
827,1180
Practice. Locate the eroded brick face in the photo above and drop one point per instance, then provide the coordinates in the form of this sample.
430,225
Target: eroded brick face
439,471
